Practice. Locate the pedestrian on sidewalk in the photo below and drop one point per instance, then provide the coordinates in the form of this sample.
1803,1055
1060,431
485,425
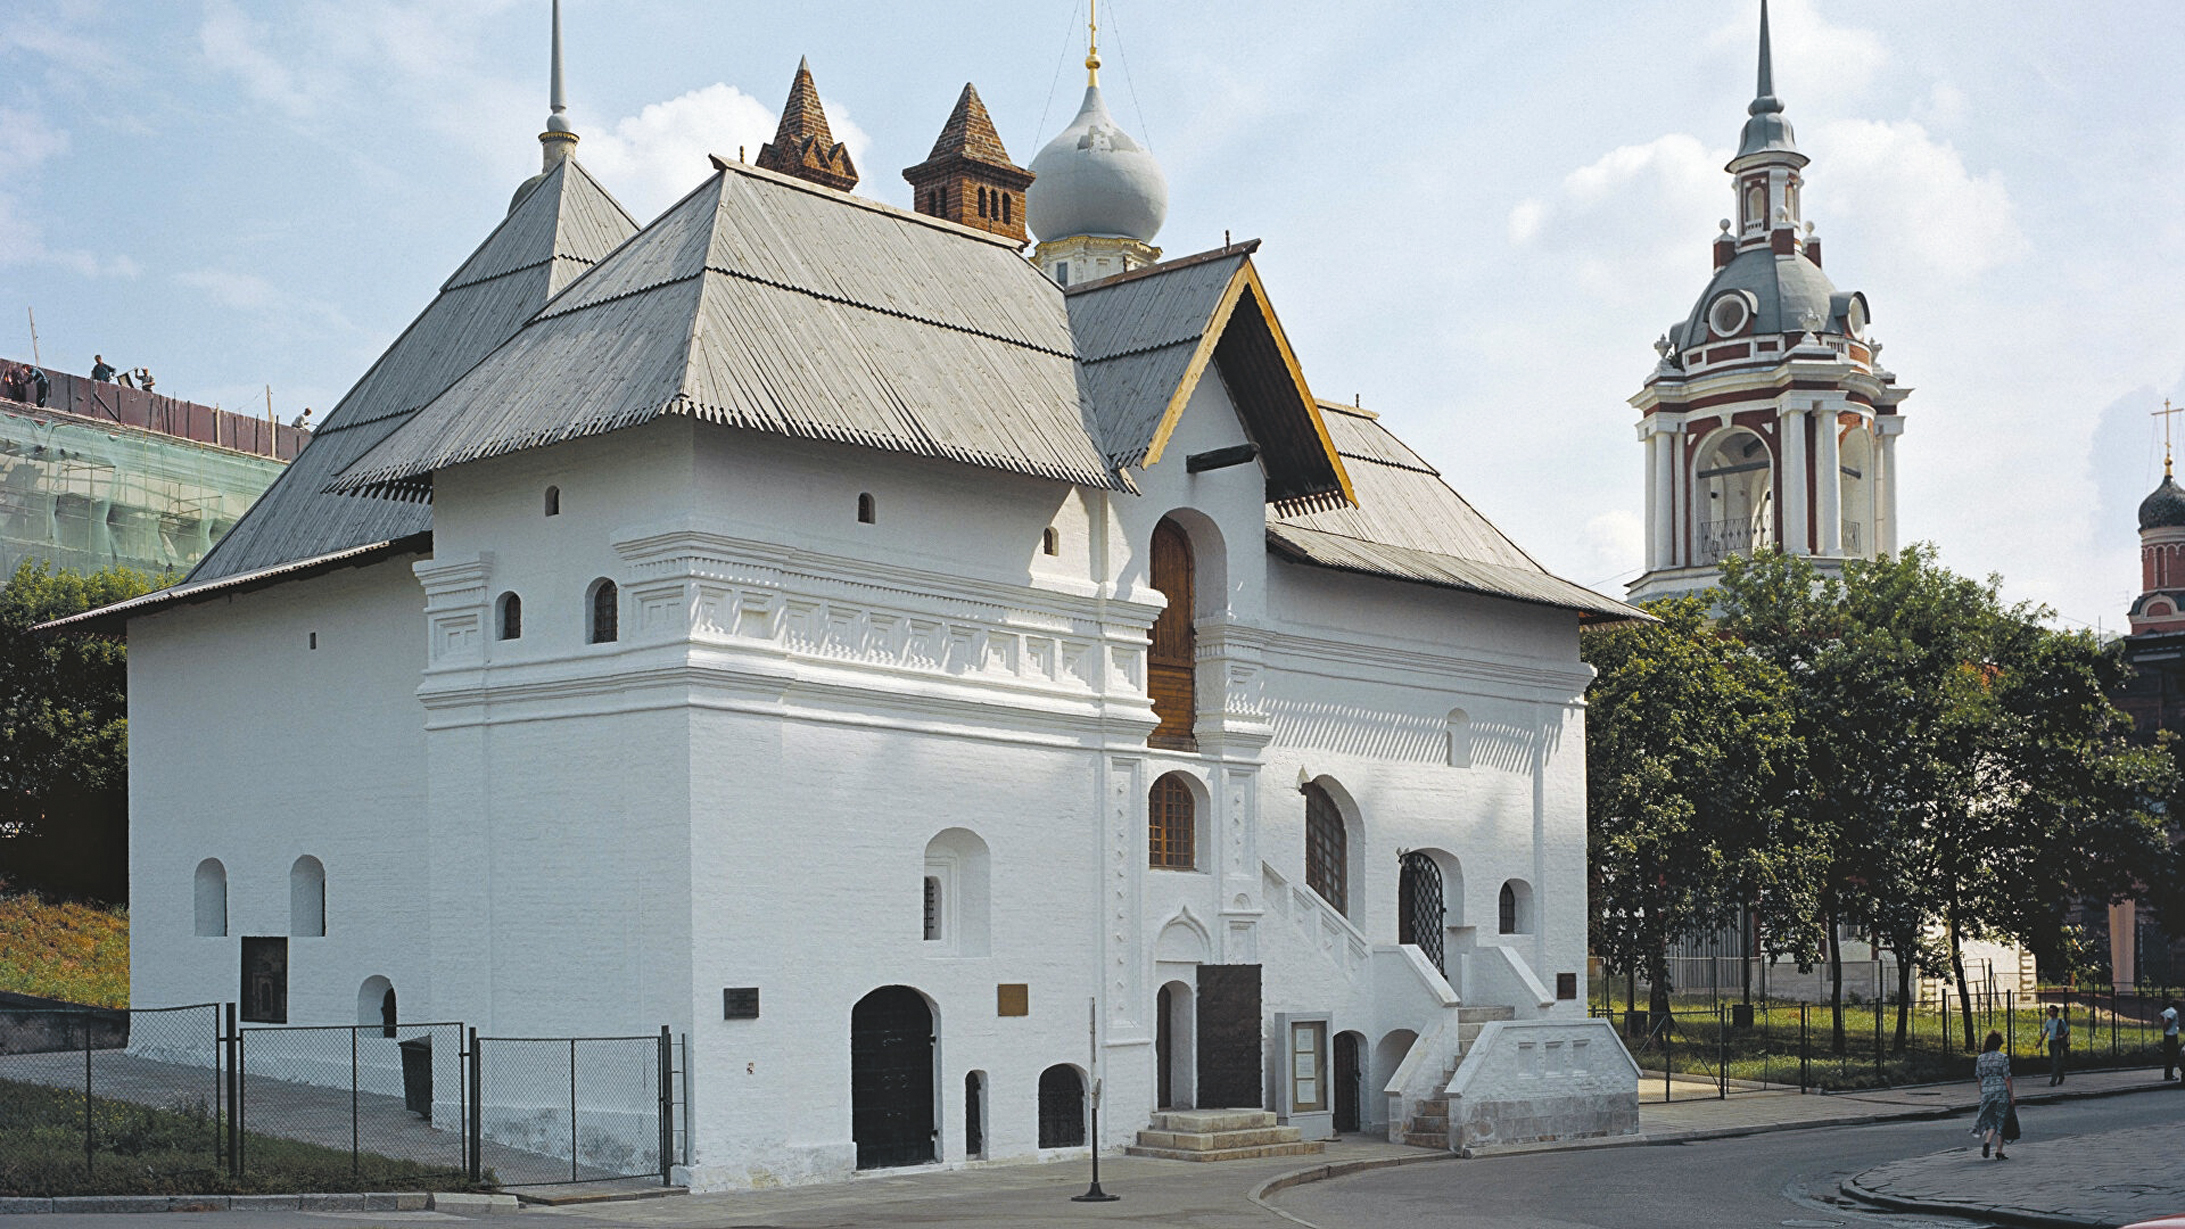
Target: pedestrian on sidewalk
2056,1033
1993,1070
2169,1039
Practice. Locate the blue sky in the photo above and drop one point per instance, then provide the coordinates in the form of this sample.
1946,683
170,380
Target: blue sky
1477,217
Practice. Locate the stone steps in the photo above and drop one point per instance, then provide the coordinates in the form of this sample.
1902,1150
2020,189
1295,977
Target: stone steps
1220,1135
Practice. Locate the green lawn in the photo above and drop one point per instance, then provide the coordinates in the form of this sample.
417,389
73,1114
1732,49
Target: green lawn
143,1151
1771,1050
73,952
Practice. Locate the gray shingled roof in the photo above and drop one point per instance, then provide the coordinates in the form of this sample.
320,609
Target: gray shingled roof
1409,525
769,304
1135,338
553,234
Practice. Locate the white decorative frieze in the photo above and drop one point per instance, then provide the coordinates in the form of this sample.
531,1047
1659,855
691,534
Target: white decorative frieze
455,608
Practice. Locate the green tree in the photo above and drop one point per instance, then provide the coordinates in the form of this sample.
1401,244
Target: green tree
1687,740
64,742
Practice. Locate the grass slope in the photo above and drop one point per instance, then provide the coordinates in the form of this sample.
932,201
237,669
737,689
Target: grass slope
75,952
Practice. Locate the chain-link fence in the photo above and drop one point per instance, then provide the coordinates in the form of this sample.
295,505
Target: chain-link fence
1720,1049
575,1109
390,1097
92,1092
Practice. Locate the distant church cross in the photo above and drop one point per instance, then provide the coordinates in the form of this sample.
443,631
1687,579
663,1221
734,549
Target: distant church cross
2166,413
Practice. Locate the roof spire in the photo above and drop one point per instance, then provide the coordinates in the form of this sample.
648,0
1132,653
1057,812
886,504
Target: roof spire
559,139
803,146
1092,42
1764,99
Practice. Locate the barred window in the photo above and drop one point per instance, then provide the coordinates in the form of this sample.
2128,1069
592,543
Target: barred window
1171,825
606,613
1327,851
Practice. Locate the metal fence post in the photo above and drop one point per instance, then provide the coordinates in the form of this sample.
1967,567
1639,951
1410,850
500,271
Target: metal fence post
572,1109
1722,1055
667,1104
227,1044
87,1145
1805,1048
688,1130
475,1136
1881,1076
355,1161
2010,1023
242,1100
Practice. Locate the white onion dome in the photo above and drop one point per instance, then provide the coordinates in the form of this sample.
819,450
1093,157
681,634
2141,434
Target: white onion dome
1093,179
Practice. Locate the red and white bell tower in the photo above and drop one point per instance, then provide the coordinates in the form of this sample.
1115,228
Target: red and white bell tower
1768,421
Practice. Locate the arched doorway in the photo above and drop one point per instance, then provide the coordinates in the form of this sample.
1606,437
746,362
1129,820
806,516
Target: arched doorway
1733,495
1173,1043
1349,1075
891,1078
1419,917
1061,1107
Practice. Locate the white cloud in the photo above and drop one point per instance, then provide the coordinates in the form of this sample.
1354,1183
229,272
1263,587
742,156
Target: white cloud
242,48
1616,543
1811,55
651,159
247,292
27,140
1525,218
1916,203
22,242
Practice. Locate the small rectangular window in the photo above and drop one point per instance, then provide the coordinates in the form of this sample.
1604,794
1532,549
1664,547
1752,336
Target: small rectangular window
933,909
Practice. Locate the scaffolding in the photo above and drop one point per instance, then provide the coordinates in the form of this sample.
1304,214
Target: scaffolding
85,495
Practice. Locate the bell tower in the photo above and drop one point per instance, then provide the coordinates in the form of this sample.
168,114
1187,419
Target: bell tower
1768,421
968,178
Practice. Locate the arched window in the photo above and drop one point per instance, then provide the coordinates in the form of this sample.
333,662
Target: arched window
307,898
1514,909
974,1114
866,513
606,613
1733,495
1050,541
1170,676
1005,198
376,1005
212,897
1756,205
1172,825
956,893
1061,1107
553,501
1327,852
511,618
982,203
1459,738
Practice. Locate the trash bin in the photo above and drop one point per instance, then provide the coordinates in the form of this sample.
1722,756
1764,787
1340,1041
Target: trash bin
417,1076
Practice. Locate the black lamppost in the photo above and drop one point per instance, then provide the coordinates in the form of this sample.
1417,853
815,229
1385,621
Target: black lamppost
1093,1193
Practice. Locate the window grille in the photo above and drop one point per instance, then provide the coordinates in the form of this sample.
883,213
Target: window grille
553,501
606,613
511,617
933,908
866,514
1171,825
1061,1108
1326,849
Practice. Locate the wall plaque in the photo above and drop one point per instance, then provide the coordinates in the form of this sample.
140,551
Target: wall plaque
740,1003
1566,985
1012,999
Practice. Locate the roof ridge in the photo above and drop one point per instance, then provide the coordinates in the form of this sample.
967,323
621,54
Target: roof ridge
1245,248
824,297
754,171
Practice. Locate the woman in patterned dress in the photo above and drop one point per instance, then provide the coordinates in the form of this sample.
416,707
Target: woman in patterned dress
1993,1070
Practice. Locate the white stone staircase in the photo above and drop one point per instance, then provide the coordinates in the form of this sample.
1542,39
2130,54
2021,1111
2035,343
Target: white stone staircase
1220,1135
1428,1126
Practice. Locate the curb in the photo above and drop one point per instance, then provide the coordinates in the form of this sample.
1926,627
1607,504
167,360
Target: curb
1321,1173
373,1201
1985,1211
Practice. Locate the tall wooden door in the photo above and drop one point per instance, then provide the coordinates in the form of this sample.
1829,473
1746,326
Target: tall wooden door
891,1078
1348,1076
1169,675
1231,1068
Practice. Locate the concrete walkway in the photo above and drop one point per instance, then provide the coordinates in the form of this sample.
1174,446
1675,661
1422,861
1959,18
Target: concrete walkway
2110,1179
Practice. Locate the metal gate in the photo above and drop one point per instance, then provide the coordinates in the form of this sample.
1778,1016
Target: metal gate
1419,908
391,1096
891,1078
550,1110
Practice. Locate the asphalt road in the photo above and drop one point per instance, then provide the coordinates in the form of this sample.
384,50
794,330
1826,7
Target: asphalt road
1786,1179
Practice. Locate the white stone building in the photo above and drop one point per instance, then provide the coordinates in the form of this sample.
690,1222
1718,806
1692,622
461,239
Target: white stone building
801,610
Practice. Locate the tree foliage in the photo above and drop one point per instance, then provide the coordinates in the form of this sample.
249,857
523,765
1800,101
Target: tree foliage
64,733
1937,766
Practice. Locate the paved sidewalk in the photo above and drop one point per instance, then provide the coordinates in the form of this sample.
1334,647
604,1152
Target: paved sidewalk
2110,1179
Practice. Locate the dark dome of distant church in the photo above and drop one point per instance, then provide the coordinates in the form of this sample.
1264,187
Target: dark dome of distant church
2165,509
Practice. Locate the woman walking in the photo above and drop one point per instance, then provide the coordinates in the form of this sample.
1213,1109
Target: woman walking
1993,1070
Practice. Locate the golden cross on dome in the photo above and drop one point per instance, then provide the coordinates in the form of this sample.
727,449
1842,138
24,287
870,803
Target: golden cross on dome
2166,413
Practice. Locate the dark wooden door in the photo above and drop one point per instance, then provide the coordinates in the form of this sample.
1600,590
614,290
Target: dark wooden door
1419,916
891,1078
1169,664
265,980
974,1116
1348,1077
1230,1064
1061,1107
1164,1005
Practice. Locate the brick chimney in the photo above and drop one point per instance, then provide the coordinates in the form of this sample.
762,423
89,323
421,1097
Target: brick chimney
968,177
802,145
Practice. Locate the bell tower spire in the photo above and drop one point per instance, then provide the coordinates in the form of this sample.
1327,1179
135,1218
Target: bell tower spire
559,140
1764,98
